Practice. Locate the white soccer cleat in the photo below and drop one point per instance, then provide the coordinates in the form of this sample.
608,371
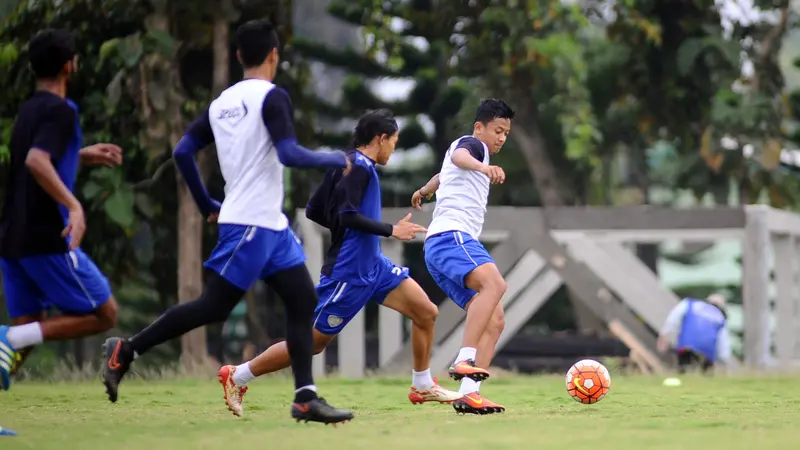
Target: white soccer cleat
234,394
435,393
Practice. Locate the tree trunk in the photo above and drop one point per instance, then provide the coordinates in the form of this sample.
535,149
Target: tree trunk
553,193
194,344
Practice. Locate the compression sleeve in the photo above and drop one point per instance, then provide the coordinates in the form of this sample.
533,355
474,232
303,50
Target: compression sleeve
197,137
276,112
360,222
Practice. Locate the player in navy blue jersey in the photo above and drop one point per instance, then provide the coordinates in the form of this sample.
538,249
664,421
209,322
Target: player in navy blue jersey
355,271
42,222
251,124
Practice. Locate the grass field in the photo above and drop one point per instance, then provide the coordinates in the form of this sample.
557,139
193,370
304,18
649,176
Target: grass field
718,413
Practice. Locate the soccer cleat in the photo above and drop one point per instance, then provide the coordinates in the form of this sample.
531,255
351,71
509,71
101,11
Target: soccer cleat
234,394
318,410
7,432
118,358
8,359
469,370
474,403
435,393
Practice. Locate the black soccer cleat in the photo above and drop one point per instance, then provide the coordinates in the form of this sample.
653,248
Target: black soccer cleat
118,358
318,410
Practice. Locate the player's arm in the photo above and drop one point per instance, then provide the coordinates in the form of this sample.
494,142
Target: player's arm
197,137
349,193
672,325
317,206
724,351
51,141
425,192
277,115
469,156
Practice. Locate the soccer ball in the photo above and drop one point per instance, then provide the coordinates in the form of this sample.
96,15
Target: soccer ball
588,381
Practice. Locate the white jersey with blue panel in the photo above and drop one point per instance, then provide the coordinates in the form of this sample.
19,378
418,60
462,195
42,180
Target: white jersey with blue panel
463,194
452,249
251,124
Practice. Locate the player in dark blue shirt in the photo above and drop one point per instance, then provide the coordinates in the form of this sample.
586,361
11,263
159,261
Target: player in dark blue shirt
42,222
355,271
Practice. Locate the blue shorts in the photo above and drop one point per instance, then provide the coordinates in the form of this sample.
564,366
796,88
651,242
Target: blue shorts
245,254
340,301
70,282
450,257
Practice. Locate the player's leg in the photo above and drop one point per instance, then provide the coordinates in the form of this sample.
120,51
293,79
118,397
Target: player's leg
462,267
396,290
233,266
684,360
23,354
486,348
337,305
452,267
72,283
286,272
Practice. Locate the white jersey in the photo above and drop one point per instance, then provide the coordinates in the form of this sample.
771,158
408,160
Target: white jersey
461,198
247,157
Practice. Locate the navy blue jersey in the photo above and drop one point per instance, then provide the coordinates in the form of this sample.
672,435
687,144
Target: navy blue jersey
354,255
32,221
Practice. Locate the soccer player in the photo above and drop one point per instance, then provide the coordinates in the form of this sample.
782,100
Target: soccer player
458,262
355,271
42,222
698,330
252,127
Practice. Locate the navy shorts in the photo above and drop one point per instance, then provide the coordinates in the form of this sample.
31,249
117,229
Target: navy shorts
245,254
450,257
70,282
340,301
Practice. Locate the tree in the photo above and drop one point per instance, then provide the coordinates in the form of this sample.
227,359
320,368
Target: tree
436,94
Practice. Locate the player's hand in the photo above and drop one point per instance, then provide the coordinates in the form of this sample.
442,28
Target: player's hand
76,227
662,345
416,199
349,167
213,214
495,174
405,230
109,155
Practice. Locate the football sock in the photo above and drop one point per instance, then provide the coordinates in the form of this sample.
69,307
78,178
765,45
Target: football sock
469,386
295,288
214,305
466,353
22,336
242,375
422,380
305,394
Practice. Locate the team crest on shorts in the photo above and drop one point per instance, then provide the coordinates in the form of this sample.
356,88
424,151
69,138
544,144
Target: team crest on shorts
334,321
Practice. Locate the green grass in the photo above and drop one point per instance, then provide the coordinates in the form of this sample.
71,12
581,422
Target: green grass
718,413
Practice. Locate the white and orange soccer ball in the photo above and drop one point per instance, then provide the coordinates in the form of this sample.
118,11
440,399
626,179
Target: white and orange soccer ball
588,381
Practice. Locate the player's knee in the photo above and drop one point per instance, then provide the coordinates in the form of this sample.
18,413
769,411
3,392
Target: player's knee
495,285
321,341
425,314
107,314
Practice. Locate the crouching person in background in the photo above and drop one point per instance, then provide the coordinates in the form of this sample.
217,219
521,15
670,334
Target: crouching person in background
698,331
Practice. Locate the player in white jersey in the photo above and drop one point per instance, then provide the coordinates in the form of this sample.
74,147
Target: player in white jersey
252,127
458,262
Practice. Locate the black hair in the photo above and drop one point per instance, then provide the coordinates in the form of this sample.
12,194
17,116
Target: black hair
255,40
493,108
49,51
375,122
